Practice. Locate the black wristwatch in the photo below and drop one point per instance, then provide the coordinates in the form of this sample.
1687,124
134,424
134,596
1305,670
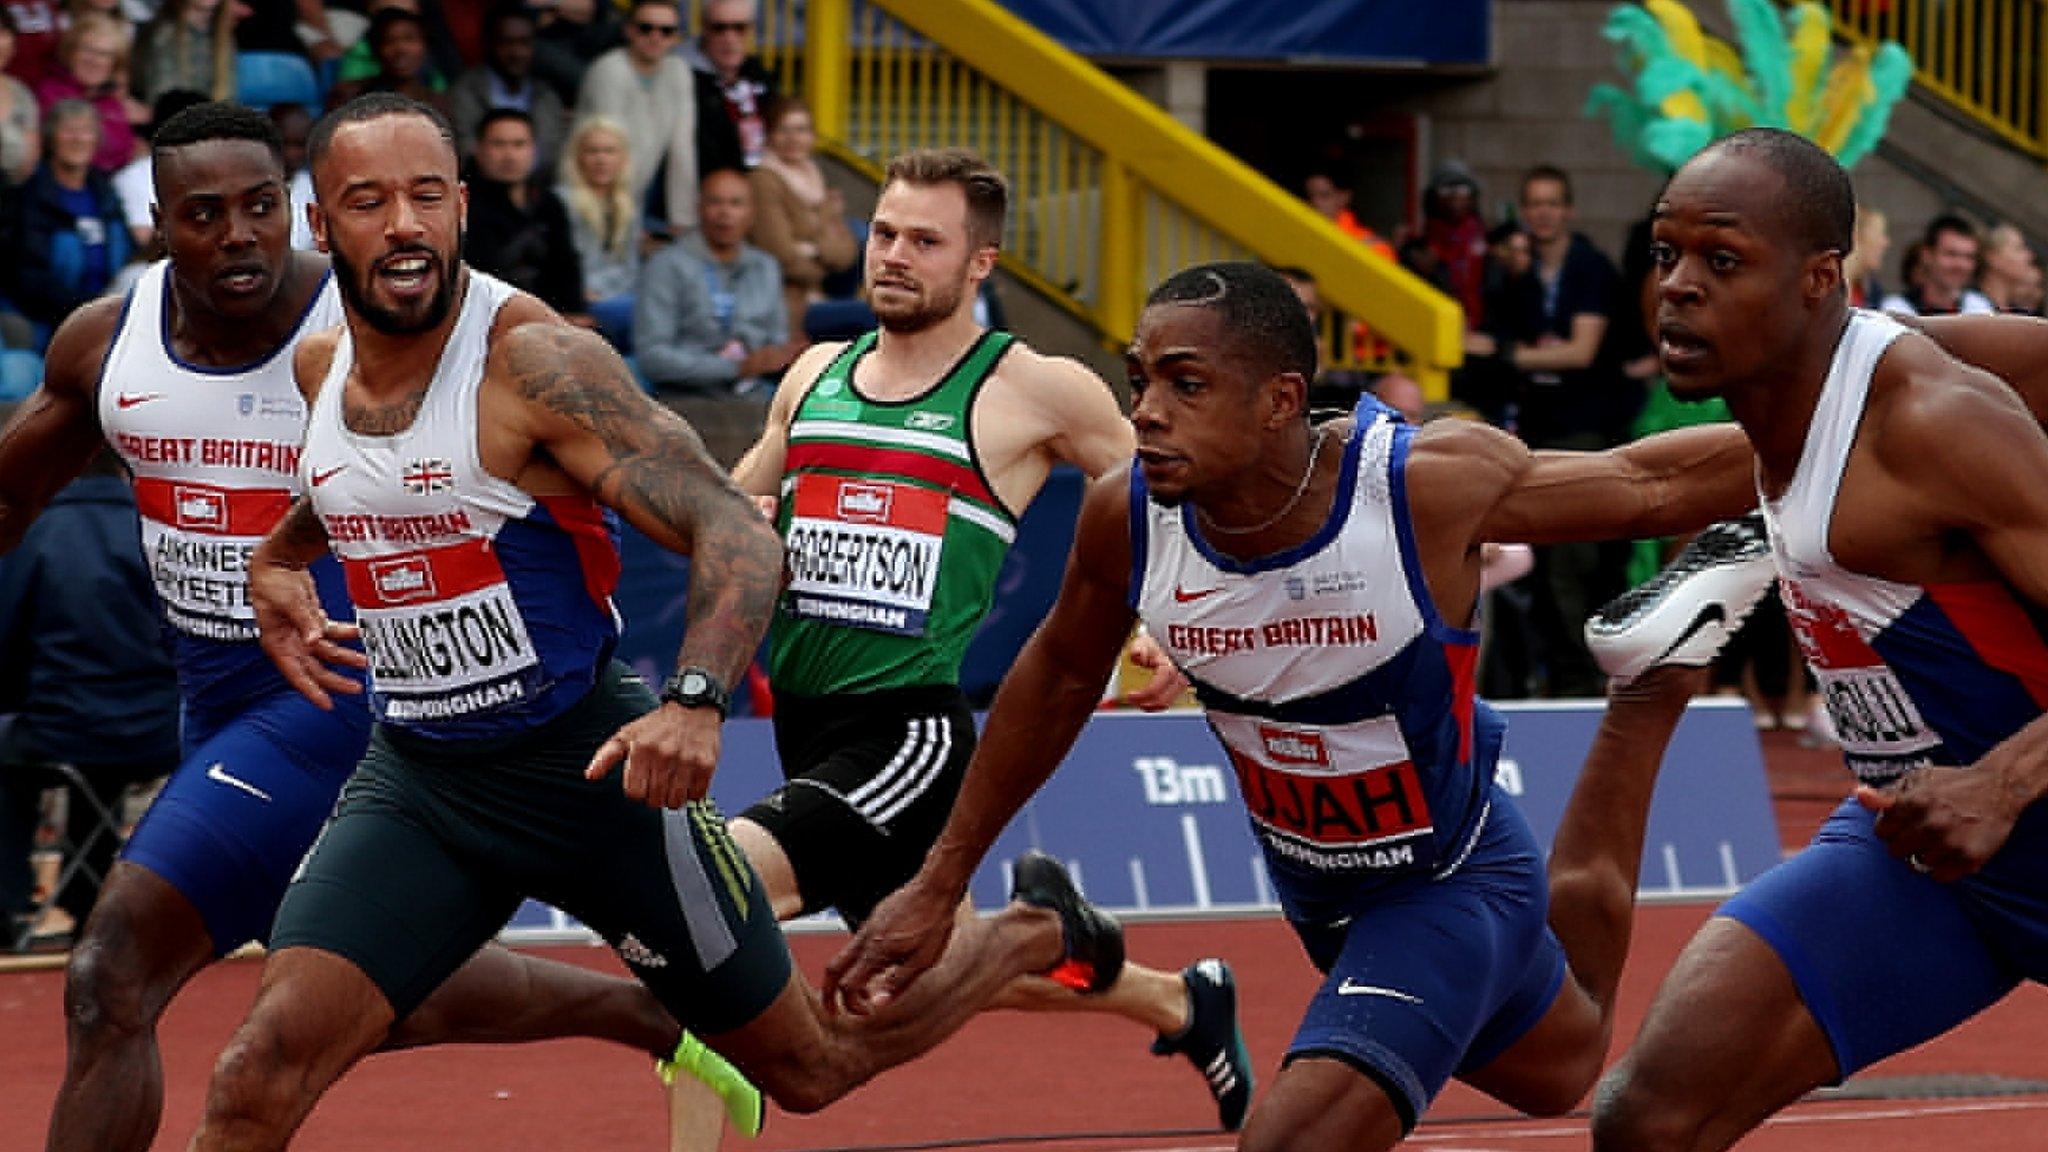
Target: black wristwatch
696,688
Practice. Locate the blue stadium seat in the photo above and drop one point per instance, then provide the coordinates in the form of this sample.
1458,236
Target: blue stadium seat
266,79
20,372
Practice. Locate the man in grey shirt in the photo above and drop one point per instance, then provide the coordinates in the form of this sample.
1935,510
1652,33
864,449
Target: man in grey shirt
710,320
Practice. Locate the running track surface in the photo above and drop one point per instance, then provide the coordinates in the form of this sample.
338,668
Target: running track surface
1009,1079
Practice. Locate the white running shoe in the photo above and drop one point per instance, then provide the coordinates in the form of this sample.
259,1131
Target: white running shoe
1686,613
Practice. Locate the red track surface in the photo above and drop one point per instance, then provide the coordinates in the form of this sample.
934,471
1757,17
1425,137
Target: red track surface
1009,1075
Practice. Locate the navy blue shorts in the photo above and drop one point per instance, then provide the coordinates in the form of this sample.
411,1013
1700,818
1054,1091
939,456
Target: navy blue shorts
1883,957
238,814
1439,977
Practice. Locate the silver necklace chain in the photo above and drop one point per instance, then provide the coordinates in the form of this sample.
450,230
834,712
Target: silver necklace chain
1301,489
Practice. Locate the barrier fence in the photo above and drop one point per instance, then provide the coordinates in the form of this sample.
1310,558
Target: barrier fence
1986,57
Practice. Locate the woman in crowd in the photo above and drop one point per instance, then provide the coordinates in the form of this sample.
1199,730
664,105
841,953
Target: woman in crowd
64,231
113,10
21,135
92,65
798,218
604,218
1866,256
190,45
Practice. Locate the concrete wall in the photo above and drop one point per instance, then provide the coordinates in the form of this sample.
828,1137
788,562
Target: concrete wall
1548,54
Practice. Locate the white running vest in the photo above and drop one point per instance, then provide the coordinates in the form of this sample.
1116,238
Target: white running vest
1287,652
414,517
1836,613
214,452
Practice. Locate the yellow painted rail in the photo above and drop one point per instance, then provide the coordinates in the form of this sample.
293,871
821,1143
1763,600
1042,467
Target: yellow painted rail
1987,57
1109,194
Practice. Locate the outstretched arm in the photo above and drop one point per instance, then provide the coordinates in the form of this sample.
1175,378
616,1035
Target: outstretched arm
1658,486
588,415
53,434
1044,700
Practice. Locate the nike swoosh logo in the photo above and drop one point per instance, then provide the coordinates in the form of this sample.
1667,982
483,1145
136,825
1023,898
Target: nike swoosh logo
320,478
1348,988
1183,596
219,775
1710,614
130,400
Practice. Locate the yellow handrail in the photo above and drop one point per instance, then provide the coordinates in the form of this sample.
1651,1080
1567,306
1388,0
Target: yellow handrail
1109,193
1989,58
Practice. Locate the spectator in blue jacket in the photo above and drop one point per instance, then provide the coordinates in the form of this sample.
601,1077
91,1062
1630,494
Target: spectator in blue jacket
710,318
63,227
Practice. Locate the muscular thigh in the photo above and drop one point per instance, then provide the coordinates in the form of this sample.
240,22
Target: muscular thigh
1881,957
237,816
676,898
389,888
1435,980
669,890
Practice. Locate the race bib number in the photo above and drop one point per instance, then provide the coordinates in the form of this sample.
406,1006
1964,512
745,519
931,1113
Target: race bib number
1881,731
865,553
443,633
197,539
1336,799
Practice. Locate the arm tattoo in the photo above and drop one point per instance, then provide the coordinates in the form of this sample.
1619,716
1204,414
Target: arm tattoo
659,467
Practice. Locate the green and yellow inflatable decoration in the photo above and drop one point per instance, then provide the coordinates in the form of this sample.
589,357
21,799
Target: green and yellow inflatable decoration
1691,89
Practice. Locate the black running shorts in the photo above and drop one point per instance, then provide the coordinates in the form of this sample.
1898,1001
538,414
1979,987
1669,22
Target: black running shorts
432,847
871,781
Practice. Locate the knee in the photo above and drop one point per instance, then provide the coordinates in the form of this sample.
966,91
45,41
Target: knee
805,1083
1561,1086
105,992
249,1079
802,1094
803,1100
1629,1116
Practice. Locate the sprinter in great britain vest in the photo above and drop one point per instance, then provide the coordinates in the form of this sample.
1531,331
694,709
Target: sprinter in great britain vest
1910,675
894,536
1344,700
485,610
215,455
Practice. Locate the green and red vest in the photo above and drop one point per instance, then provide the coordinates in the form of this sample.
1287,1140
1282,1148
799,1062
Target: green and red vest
894,537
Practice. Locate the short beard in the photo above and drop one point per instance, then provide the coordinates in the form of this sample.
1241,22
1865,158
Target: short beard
920,317
383,319
925,314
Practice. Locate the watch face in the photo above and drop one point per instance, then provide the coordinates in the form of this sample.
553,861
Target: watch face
695,684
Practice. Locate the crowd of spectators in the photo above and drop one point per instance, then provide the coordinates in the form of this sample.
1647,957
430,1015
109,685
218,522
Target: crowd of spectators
626,172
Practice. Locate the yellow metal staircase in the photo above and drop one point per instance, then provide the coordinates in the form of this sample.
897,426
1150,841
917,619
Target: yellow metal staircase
1109,194
1989,58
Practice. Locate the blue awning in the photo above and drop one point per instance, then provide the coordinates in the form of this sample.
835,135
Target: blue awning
1357,31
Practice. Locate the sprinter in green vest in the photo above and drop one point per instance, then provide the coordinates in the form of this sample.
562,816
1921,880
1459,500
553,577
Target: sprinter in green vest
898,465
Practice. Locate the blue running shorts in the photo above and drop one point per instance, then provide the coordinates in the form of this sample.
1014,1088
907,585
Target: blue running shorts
238,814
1439,977
1883,957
